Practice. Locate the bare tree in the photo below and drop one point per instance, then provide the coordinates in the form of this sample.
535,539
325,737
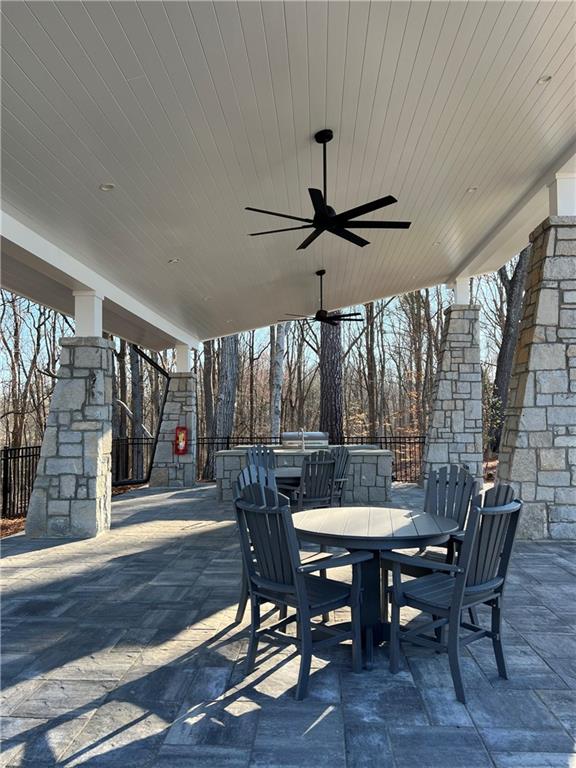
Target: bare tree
331,404
276,380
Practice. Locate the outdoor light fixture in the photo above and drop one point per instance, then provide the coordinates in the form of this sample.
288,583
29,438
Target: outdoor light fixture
544,79
173,261
106,187
472,189
436,243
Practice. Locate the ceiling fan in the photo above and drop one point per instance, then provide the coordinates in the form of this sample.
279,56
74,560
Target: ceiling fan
322,315
325,217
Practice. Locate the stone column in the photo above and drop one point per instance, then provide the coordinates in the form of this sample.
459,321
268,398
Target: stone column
72,491
538,449
455,429
169,470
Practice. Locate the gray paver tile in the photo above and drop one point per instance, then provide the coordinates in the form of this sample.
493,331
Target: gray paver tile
438,748
202,757
36,742
508,709
59,697
527,740
367,746
533,760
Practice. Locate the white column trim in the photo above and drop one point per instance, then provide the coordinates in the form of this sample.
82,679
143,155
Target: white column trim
88,313
461,288
562,195
183,358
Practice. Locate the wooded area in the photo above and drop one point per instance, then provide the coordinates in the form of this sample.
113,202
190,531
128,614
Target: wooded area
362,378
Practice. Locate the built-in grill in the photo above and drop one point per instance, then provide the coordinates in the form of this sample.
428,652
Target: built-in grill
304,439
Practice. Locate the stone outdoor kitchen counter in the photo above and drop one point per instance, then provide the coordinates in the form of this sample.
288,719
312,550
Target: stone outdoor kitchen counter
369,474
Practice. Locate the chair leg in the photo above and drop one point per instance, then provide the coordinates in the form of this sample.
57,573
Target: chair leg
243,599
454,658
322,573
385,594
369,638
473,613
305,633
282,612
254,627
395,638
497,639
356,639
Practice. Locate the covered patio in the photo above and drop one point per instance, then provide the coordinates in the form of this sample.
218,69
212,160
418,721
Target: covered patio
121,651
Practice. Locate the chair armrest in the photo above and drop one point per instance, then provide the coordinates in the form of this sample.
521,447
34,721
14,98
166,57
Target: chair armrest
341,480
396,557
336,561
459,536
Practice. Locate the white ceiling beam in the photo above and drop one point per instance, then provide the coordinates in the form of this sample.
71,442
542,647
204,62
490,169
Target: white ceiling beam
87,313
80,278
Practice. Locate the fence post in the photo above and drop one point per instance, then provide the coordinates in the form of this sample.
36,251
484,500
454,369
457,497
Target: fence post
5,482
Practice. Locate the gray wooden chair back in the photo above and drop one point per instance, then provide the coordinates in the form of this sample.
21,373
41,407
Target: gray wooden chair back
317,480
449,492
254,474
268,539
499,494
261,456
487,547
341,456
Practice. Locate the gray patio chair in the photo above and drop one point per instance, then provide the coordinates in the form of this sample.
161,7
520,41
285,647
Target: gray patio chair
341,456
449,492
277,575
477,577
261,456
253,473
316,487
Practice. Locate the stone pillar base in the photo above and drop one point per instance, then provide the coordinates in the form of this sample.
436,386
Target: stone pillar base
169,470
455,429
538,447
72,491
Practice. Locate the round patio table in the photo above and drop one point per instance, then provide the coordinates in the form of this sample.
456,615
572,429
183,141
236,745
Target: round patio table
375,529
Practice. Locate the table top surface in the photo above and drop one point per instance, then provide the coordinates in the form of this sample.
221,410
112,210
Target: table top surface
280,472
372,527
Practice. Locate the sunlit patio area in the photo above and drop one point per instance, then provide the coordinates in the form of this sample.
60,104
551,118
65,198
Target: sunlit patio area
122,651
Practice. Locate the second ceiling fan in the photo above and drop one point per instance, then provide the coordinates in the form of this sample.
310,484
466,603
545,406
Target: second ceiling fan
325,217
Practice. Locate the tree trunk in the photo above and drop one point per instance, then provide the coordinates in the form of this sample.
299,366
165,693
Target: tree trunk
514,287
226,399
331,420
207,375
370,371
276,381
136,396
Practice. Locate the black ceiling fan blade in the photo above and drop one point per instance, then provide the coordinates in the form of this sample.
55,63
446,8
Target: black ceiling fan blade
348,320
300,317
377,224
359,210
349,314
273,213
318,201
310,239
350,236
287,229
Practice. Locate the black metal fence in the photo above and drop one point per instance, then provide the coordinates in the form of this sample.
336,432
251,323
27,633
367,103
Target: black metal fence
407,450
131,459
18,473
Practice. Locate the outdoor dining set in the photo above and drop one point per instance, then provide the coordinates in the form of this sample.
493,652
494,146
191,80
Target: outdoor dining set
445,560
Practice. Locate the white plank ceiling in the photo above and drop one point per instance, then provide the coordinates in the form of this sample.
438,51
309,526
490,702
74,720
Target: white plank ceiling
195,110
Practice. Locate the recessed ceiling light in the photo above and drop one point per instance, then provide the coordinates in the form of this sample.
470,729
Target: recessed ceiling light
106,187
173,261
544,79
436,243
472,189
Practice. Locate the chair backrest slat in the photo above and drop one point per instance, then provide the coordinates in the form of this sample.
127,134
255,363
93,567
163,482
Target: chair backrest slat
261,456
449,492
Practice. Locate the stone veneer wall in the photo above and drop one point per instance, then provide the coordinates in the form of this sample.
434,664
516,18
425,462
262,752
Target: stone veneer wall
72,490
169,470
369,473
455,430
538,449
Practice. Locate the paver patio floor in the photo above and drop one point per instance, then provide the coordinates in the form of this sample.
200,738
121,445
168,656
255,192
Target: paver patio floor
121,651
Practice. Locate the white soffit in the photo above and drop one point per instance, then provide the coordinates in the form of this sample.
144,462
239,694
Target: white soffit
195,110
